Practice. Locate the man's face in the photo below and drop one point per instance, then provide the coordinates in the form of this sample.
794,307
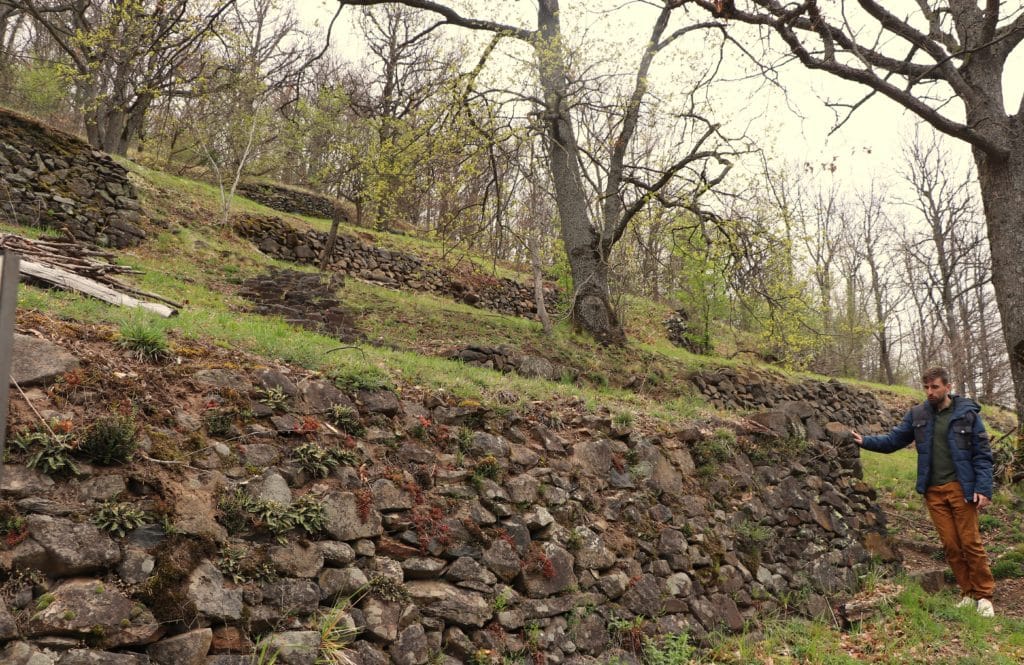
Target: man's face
937,391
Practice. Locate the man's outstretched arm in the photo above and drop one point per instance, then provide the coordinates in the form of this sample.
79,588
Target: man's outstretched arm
897,438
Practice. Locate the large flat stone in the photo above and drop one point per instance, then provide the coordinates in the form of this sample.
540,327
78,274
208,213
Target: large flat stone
71,548
38,362
90,608
450,603
344,521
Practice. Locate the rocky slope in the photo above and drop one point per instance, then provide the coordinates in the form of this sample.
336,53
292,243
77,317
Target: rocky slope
206,507
259,496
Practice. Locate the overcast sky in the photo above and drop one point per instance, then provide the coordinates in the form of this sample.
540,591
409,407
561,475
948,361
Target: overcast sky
867,145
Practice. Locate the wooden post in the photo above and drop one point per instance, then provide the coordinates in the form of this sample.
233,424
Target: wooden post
8,310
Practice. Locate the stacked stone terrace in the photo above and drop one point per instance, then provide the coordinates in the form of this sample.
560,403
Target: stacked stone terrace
52,180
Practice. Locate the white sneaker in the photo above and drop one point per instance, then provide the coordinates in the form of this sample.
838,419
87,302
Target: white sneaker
966,601
985,608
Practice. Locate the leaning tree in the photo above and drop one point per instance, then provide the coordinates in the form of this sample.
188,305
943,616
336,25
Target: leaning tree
597,198
945,61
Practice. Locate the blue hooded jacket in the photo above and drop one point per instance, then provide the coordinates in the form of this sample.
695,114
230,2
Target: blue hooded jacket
968,444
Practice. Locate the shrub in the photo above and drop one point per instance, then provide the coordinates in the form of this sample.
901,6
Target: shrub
118,518
988,522
337,631
671,650
715,449
308,514
488,467
274,398
234,510
388,588
623,419
219,422
110,441
239,512
243,566
27,439
12,524
144,340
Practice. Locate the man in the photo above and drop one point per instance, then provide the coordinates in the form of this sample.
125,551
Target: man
954,472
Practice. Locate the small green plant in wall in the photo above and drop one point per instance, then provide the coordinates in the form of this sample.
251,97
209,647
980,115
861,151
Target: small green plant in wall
109,441
274,398
51,454
118,518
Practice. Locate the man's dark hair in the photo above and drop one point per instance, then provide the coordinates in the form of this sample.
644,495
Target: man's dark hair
935,373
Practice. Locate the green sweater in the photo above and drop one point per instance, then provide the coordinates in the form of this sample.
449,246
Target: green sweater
942,460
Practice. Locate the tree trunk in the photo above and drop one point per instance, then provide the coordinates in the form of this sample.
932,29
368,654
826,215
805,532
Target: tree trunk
945,250
538,283
878,296
591,307
969,327
110,128
988,379
332,236
1002,192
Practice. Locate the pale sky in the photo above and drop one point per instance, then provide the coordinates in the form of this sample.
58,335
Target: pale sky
868,144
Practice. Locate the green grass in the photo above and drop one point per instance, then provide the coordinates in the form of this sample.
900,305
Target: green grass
895,473
28,231
208,317
196,263
917,627
208,195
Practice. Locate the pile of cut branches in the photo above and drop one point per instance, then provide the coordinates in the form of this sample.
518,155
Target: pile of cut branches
77,267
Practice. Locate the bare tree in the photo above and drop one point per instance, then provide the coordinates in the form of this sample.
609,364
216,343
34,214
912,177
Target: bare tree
940,52
124,54
945,203
626,191
872,233
11,19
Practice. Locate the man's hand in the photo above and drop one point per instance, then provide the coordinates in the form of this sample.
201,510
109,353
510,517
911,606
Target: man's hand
857,438
981,500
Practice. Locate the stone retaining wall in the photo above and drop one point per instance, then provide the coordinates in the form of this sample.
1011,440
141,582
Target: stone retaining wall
361,258
292,200
461,535
740,389
49,179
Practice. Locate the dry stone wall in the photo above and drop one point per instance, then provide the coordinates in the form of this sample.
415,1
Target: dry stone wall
289,199
361,258
459,534
53,180
506,359
741,389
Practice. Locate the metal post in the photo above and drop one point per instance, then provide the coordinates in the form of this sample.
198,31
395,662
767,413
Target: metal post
9,262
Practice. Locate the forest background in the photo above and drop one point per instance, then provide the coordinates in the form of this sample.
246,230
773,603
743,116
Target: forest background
785,215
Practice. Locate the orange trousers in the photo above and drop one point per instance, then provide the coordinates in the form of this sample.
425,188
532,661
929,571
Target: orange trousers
957,524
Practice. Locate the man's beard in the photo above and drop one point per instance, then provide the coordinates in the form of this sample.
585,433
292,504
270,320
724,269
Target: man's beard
935,400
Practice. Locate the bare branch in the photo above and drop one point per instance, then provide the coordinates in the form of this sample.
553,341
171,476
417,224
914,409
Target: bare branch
452,17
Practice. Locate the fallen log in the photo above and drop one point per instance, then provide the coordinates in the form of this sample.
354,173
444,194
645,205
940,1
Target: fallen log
66,279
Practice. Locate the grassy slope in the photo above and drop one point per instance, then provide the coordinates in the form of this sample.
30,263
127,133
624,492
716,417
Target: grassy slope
196,263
